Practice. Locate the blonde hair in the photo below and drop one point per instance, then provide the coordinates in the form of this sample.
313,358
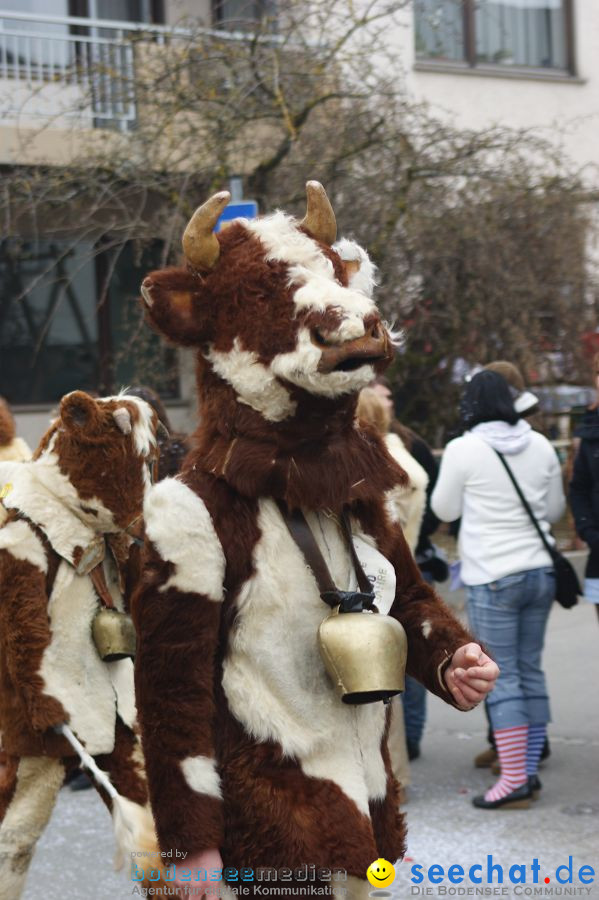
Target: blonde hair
371,409
510,372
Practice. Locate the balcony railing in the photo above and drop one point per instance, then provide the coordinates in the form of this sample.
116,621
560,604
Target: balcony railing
93,58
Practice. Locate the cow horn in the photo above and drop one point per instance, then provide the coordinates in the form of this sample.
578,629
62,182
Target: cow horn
122,417
200,246
320,218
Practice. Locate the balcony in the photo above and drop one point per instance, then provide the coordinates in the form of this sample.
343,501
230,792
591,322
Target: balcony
66,69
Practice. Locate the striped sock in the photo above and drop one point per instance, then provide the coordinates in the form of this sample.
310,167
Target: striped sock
537,735
511,748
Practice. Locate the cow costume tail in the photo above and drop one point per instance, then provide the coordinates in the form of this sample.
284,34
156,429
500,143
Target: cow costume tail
28,793
133,824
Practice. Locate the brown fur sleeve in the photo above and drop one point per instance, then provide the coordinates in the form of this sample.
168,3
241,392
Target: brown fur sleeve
24,635
434,634
174,673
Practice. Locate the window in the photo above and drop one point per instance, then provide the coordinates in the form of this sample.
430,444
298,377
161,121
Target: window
48,328
56,335
532,34
241,15
119,10
439,29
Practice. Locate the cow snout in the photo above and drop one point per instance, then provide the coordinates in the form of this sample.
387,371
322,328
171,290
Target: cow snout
325,338
346,356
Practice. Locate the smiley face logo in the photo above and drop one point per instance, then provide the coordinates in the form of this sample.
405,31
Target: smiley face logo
380,873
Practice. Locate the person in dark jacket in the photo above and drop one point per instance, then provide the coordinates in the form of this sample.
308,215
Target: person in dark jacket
584,492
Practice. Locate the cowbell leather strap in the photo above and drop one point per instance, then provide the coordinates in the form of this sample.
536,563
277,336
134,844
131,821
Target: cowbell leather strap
99,583
363,580
301,533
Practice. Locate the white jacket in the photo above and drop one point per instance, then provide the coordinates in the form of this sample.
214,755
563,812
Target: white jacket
497,537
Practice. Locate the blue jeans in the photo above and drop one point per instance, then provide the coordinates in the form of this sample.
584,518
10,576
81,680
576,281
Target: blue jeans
509,617
414,710
414,700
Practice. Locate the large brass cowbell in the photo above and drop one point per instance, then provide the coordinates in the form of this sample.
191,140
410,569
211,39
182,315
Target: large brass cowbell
364,654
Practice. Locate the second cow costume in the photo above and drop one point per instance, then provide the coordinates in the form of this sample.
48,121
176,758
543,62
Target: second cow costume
248,747
67,552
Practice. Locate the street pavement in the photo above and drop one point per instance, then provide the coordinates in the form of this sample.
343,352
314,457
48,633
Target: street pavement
74,858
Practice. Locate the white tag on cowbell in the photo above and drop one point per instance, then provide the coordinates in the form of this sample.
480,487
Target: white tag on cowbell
380,572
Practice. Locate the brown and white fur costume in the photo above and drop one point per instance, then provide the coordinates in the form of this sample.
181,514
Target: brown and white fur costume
88,478
247,746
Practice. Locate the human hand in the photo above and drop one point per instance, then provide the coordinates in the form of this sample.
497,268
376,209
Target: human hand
208,860
470,676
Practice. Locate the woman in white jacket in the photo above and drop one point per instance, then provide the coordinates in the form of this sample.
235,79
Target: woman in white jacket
505,567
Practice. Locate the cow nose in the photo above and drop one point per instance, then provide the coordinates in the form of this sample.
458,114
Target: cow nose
346,356
323,338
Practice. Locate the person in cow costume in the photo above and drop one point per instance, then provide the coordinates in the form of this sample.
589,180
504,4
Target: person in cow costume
66,553
253,759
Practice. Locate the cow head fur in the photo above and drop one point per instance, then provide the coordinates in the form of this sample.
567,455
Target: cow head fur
96,458
286,330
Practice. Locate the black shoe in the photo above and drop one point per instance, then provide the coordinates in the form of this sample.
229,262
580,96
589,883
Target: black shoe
413,750
80,782
518,799
535,786
546,751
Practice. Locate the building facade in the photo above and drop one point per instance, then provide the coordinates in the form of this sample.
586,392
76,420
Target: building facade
67,71
529,64
67,300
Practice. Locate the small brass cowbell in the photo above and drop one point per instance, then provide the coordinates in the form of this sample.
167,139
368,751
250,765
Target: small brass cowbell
114,635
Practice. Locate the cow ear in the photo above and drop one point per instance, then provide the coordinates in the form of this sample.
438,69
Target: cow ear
176,306
79,413
122,418
352,267
359,268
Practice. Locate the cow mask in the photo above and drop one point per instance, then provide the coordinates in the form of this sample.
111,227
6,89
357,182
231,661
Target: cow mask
97,456
271,307
287,334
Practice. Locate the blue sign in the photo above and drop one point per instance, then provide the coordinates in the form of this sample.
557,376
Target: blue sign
247,209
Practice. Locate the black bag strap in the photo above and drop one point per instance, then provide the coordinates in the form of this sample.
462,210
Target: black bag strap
550,550
302,535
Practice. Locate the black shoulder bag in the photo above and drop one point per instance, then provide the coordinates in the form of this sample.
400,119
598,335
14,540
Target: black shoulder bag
567,585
